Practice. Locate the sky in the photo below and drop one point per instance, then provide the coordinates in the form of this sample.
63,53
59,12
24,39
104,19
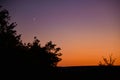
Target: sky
85,30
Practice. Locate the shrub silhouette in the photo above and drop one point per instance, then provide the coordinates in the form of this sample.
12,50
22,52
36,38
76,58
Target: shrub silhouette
107,62
47,55
13,51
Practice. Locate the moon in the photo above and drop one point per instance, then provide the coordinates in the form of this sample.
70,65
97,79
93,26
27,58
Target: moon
34,19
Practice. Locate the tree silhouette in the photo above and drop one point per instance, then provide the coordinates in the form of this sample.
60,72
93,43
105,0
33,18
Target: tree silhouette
13,51
47,55
8,36
53,53
107,62
9,40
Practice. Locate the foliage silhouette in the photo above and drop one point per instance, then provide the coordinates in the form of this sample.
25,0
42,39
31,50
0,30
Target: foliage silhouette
9,40
108,62
13,51
47,55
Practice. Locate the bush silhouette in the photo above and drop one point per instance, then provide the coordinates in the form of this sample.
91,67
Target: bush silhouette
107,62
47,55
13,51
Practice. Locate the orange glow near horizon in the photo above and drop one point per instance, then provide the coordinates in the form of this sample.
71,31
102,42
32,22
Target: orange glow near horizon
87,59
86,49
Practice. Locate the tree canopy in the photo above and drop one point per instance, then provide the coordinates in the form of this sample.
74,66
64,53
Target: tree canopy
14,51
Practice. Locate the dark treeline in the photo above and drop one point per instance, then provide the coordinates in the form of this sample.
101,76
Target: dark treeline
14,51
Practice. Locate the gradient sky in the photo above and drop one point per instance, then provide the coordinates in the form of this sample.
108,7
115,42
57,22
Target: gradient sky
86,30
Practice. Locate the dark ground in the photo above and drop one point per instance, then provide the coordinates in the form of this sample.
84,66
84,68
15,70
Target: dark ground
90,73
63,73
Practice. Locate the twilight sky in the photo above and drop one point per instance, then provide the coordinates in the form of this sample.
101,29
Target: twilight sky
86,30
